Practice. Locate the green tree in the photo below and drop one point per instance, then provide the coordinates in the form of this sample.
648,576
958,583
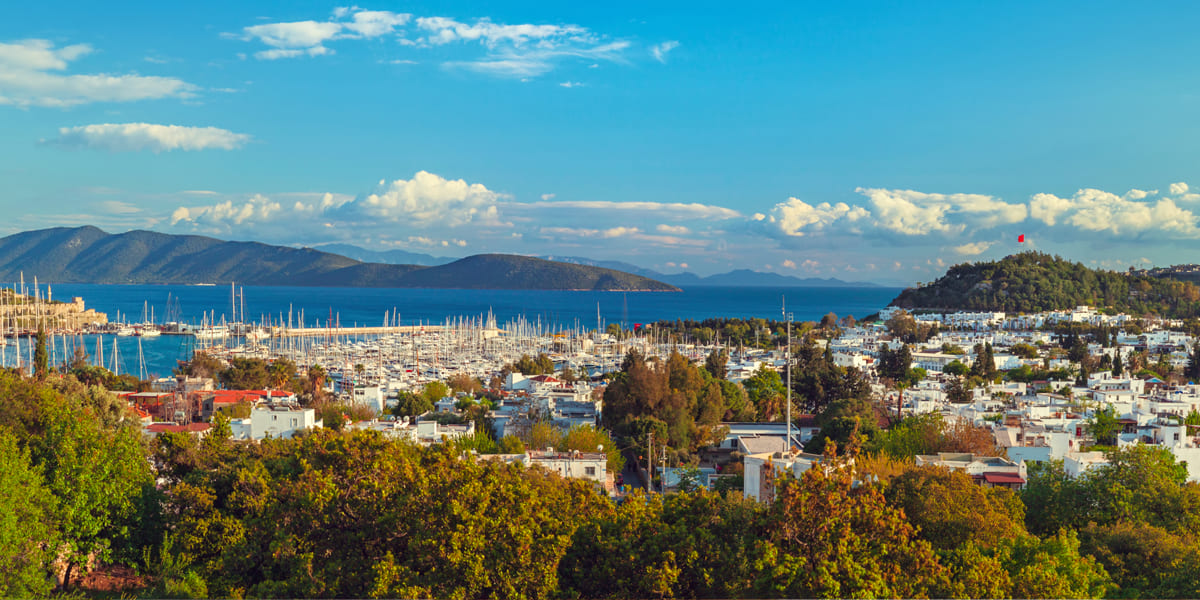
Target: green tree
435,391
842,420
957,391
1103,426
950,509
1192,370
956,368
586,438
835,540
409,404
1145,561
511,444
716,363
766,391
41,358
29,529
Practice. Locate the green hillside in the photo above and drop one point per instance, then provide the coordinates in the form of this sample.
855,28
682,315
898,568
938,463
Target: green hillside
89,255
1034,282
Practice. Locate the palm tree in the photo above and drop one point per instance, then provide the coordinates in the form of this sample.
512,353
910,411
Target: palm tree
316,381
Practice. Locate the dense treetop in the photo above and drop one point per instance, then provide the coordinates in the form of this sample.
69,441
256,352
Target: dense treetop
1034,282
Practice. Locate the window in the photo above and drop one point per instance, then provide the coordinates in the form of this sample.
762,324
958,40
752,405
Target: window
590,471
293,422
274,417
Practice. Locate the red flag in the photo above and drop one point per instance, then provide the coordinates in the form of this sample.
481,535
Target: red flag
1021,238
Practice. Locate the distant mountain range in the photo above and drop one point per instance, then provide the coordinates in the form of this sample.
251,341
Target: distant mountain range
738,278
390,257
89,255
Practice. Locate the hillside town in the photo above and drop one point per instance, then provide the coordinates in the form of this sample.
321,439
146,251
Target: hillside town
1040,394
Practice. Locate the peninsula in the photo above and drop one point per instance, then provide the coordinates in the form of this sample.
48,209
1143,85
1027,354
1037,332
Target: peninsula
89,255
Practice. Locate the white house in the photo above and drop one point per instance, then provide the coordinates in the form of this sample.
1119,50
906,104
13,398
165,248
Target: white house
578,465
278,419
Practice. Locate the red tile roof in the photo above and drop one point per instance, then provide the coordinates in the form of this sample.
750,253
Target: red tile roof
1003,478
173,428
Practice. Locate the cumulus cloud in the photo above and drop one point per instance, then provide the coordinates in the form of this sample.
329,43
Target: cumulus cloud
308,38
1178,188
673,229
909,212
972,249
795,217
429,198
1097,211
132,137
33,73
788,264
221,216
659,51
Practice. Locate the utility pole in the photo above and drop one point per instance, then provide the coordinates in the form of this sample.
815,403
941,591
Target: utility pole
787,315
662,481
650,462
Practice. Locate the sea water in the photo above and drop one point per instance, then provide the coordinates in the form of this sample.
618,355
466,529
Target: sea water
369,306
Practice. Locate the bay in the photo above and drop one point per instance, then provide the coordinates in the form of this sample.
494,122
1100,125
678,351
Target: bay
368,307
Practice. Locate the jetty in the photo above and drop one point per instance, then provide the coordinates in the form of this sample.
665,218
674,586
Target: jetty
342,331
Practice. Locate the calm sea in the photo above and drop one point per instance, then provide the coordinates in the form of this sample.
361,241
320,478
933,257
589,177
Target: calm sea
366,306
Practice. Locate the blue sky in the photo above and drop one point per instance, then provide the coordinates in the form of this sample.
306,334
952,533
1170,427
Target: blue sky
865,141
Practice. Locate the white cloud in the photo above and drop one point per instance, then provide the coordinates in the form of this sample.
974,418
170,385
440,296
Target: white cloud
443,30
795,217
659,51
296,34
571,84
788,263
308,38
374,23
1048,207
677,210
972,249
613,232
32,74
546,197
909,212
130,137
673,229
521,50
428,198
1097,211
221,216
527,62
278,53
1178,189
116,207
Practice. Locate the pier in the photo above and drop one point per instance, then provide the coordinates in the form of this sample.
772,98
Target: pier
339,331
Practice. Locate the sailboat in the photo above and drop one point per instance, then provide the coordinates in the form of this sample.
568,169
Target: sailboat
147,328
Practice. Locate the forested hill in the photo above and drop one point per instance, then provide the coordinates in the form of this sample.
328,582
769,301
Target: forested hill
89,255
1034,282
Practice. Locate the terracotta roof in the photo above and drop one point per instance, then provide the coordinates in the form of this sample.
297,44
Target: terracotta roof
173,428
1003,478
